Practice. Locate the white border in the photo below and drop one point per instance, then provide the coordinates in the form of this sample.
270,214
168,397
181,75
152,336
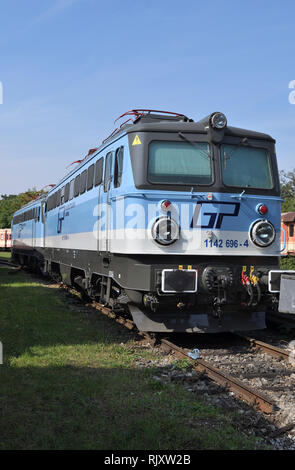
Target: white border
175,291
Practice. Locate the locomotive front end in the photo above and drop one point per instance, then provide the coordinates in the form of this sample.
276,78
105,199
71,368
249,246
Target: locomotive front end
209,226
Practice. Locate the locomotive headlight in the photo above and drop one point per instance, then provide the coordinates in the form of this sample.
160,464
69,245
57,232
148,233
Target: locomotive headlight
218,121
262,233
165,231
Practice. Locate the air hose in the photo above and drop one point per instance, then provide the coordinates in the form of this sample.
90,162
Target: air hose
246,281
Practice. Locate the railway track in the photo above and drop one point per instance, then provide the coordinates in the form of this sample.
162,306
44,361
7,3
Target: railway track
270,349
239,369
223,378
262,366
6,262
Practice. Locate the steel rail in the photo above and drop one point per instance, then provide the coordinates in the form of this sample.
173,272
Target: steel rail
283,354
109,313
8,263
240,389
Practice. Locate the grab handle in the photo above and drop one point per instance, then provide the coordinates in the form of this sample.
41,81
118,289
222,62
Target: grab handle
283,249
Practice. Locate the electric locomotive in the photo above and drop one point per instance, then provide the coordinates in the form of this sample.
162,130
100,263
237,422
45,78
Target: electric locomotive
173,221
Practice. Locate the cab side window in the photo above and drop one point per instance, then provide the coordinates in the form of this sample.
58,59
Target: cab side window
118,170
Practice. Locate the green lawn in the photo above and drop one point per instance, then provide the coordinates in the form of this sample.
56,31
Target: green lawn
69,381
5,254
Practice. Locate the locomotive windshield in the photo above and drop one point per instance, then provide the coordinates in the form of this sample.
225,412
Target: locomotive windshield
246,167
179,163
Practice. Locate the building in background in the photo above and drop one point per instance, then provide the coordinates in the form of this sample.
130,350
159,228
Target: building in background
288,231
5,239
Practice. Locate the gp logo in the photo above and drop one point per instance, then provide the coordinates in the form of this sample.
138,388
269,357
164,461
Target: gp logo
215,218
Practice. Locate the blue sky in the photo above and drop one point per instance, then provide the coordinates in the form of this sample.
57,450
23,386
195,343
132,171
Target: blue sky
70,67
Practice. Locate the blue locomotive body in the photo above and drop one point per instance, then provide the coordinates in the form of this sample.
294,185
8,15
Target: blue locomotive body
176,222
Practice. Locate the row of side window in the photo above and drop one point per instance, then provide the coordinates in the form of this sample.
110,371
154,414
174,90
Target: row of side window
27,215
89,178
78,185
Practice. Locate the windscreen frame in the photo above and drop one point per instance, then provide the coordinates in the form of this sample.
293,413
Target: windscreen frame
139,155
269,147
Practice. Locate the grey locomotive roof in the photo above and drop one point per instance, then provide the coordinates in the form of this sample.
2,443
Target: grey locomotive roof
158,123
191,127
33,202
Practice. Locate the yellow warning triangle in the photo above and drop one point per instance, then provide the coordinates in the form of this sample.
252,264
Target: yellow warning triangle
136,141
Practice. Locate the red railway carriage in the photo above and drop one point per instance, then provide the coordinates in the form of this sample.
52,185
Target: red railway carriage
5,239
288,233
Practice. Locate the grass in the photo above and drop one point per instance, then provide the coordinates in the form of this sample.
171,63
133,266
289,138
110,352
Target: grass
70,381
287,262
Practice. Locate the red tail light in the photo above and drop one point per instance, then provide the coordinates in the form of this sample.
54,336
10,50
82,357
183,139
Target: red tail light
262,209
165,205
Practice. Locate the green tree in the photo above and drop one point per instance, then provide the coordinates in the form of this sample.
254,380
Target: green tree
288,190
12,202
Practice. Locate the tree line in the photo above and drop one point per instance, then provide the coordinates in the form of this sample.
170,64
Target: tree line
287,180
12,202
9,203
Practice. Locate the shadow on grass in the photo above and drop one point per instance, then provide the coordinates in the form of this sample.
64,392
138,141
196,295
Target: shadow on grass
106,408
40,315
91,408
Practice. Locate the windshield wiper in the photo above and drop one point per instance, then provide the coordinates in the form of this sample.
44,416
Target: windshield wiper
242,142
194,144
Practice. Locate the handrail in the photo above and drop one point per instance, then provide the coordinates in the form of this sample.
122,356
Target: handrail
285,237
